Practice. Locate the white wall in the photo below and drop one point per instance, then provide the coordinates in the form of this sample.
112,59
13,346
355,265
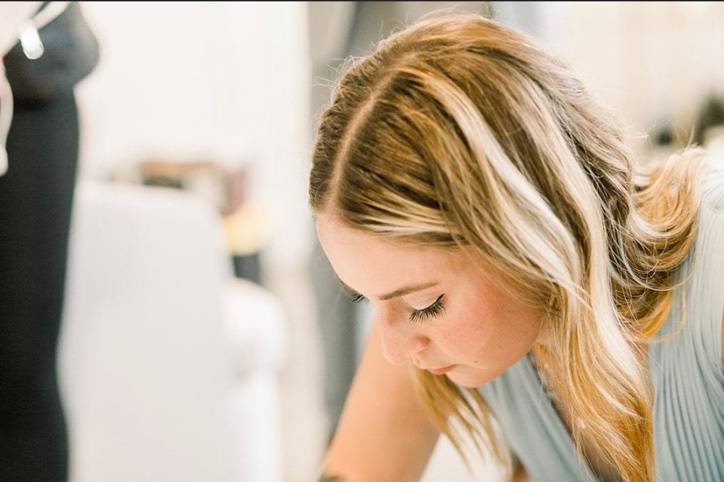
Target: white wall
189,78
229,80
648,61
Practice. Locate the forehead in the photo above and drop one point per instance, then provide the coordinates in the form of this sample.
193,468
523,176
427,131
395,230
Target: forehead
373,265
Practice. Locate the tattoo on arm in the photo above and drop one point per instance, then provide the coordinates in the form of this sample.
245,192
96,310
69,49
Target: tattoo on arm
330,478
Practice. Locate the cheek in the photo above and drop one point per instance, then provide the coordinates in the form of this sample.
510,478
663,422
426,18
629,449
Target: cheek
471,331
488,332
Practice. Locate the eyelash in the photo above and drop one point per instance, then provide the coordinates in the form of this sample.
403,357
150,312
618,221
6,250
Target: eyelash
431,311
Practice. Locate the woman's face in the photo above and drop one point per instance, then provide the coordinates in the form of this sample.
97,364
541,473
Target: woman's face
434,307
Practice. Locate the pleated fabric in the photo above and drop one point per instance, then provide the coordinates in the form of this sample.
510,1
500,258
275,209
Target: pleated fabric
685,368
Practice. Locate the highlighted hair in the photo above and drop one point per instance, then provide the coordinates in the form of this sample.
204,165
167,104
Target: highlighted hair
459,132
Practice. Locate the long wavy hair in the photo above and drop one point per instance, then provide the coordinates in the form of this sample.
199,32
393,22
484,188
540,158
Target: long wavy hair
458,132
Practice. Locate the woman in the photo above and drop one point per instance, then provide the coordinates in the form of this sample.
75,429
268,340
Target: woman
464,182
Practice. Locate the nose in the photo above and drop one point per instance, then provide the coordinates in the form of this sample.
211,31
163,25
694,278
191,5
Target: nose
400,343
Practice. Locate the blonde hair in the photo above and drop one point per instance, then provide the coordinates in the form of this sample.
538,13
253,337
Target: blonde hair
459,132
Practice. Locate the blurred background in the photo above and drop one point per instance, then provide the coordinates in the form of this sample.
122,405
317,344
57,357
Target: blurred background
204,335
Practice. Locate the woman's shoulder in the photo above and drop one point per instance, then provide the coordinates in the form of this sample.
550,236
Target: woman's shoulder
708,248
695,321
685,363
712,187
712,239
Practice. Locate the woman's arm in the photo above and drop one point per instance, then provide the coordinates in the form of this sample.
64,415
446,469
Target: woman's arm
384,434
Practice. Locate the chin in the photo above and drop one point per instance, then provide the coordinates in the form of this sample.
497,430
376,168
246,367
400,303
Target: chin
466,381
471,378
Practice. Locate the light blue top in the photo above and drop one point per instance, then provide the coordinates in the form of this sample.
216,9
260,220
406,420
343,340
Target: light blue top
686,372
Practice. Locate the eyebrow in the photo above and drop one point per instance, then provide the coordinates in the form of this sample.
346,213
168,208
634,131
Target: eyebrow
394,294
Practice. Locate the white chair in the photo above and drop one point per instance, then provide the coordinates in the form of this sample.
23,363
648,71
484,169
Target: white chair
169,366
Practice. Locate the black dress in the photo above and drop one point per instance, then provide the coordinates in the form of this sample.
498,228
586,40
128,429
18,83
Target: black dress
36,196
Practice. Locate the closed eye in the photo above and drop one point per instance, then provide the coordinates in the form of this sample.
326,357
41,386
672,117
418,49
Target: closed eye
431,311
435,309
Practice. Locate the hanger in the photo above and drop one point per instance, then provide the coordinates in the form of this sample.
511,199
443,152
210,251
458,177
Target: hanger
33,49
28,32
